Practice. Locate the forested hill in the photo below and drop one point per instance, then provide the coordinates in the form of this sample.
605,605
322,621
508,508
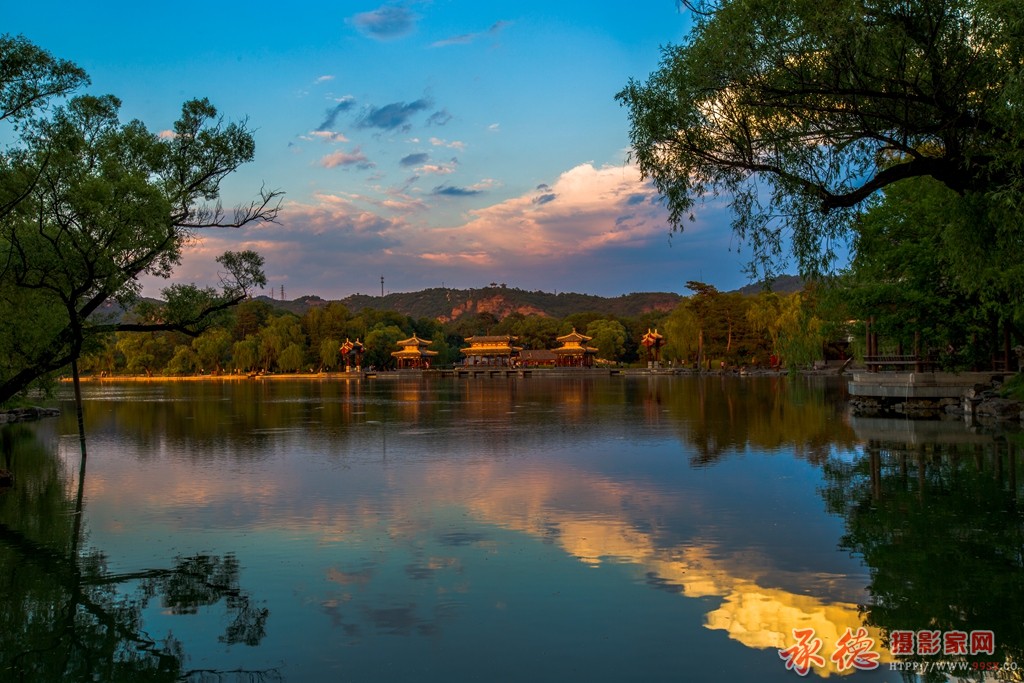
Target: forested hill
445,304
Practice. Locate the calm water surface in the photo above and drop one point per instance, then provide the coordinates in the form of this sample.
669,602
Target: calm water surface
525,529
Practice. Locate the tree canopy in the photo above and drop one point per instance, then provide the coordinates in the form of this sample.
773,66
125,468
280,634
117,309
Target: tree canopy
88,204
796,111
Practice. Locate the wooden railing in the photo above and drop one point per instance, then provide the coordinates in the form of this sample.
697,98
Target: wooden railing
899,362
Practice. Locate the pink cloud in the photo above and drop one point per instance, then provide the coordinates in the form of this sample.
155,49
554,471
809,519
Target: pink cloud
340,158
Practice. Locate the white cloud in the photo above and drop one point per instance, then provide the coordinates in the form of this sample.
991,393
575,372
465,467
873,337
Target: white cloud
328,136
453,144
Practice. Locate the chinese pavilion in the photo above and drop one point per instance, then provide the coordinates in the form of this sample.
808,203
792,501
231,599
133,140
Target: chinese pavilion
492,350
574,352
413,353
653,341
352,354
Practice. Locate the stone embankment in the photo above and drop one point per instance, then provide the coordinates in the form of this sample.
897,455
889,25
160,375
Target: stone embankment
979,400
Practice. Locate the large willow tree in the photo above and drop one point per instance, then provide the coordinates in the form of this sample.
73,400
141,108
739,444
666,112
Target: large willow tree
88,204
797,111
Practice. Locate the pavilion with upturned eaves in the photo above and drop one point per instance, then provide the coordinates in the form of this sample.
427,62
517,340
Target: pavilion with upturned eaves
653,342
414,353
492,350
352,354
574,352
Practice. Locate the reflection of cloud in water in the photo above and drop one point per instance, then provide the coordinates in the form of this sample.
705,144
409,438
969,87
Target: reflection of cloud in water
752,613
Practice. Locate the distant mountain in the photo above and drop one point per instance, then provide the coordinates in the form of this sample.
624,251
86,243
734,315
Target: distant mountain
445,304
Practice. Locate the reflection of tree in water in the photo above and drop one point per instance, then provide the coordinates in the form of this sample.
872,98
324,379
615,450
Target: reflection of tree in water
65,616
942,530
720,416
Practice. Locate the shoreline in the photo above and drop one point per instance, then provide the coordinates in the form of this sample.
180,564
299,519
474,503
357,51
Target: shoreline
463,372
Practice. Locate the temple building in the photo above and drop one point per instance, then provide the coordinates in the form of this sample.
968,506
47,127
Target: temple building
653,342
492,350
352,354
574,352
414,353
537,358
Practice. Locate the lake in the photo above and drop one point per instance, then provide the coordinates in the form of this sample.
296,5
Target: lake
579,528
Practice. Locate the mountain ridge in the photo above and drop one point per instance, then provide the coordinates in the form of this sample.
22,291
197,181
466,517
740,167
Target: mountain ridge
446,304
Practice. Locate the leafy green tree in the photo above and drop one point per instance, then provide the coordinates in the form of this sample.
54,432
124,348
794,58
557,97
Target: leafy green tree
682,334
280,332
147,352
292,358
212,349
183,362
90,204
937,270
325,322
609,336
329,353
249,318
797,111
245,354
380,342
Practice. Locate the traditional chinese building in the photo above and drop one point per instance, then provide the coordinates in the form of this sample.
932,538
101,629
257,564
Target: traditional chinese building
574,352
653,342
414,353
536,358
352,354
492,350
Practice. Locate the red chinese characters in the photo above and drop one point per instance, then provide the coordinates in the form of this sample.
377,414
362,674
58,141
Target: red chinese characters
855,650
804,654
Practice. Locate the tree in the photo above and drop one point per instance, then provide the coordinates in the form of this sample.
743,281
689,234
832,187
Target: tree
183,362
147,352
245,354
292,358
280,333
609,336
213,349
29,79
90,204
380,342
329,353
937,269
797,111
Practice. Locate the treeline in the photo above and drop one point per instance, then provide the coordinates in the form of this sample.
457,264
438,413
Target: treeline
709,327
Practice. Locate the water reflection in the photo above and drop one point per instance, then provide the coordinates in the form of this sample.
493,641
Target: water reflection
623,528
64,615
934,508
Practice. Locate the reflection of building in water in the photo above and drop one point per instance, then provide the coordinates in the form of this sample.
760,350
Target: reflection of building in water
574,352
414,353
492,350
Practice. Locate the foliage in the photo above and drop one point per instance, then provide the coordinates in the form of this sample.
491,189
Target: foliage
911,277
1013,388
609,336
731,331
88,204
796,111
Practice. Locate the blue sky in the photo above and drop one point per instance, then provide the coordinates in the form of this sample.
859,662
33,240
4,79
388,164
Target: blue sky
431,142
